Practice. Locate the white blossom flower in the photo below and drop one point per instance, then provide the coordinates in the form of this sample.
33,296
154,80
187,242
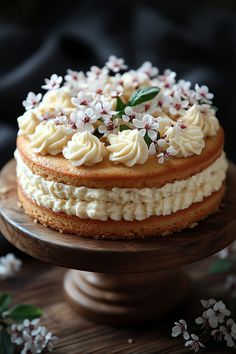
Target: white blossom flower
129,115
165,155
183,89
9,266
148,69
73,77
230,284
162,102
31,337
156,145
115,64
32,100
96,73
208,303
109,126
203,94
117,92
229,332
104,109
83,99
84,120
194,344
177,105
213,316
53,83
167,80
180,328
147,125
61,119
218,334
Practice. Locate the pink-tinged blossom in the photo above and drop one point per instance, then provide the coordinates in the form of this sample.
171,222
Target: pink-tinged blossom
104,109
32,100
177,105
170,152
180,328
115,64
194,344
73,77
82,99
53,83
147,125
167,80
148,69
203,94
84,120
129,115
109,127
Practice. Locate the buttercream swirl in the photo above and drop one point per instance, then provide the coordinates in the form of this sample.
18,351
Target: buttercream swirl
128,148
122,203
28,122
207,122
57,99
50,138
84,149
187,141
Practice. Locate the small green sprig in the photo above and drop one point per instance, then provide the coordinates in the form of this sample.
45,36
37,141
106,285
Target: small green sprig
10,315
140,96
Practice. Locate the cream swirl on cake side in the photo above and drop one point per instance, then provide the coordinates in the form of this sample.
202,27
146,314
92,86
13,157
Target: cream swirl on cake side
50,138
28,122
121,203
128,148
208,123
186,140
84,149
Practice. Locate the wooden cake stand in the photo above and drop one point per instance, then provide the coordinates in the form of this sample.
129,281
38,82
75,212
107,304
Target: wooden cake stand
119,282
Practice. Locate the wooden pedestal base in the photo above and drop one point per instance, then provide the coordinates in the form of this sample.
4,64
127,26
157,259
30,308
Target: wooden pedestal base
119,282
125,299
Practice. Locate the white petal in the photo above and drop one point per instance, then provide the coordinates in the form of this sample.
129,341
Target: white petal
152,134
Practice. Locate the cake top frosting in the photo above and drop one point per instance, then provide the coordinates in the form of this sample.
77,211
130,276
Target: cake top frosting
119,114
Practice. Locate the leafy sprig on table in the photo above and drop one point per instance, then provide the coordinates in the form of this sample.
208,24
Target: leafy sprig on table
10,315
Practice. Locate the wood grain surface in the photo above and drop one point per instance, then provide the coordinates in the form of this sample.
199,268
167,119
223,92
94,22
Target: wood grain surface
40,284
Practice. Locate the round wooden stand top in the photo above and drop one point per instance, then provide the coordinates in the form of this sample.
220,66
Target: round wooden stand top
147,255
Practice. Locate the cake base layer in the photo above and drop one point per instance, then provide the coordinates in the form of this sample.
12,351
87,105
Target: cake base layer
152,226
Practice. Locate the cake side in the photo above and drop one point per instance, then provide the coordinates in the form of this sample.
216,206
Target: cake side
150,227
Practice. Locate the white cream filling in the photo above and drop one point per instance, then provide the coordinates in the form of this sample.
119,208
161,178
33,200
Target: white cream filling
121,203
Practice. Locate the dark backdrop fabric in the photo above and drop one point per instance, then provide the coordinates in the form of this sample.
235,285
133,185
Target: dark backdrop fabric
37,38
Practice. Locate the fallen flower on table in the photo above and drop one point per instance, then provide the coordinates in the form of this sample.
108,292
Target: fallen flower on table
9,266
214,324
20,329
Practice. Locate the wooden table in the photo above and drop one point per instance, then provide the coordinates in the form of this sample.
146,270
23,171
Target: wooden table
40,284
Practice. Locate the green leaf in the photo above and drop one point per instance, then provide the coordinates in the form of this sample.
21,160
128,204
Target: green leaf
120,105
220,266
147,139
22,312
142,95
5,301
6,347
123,127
